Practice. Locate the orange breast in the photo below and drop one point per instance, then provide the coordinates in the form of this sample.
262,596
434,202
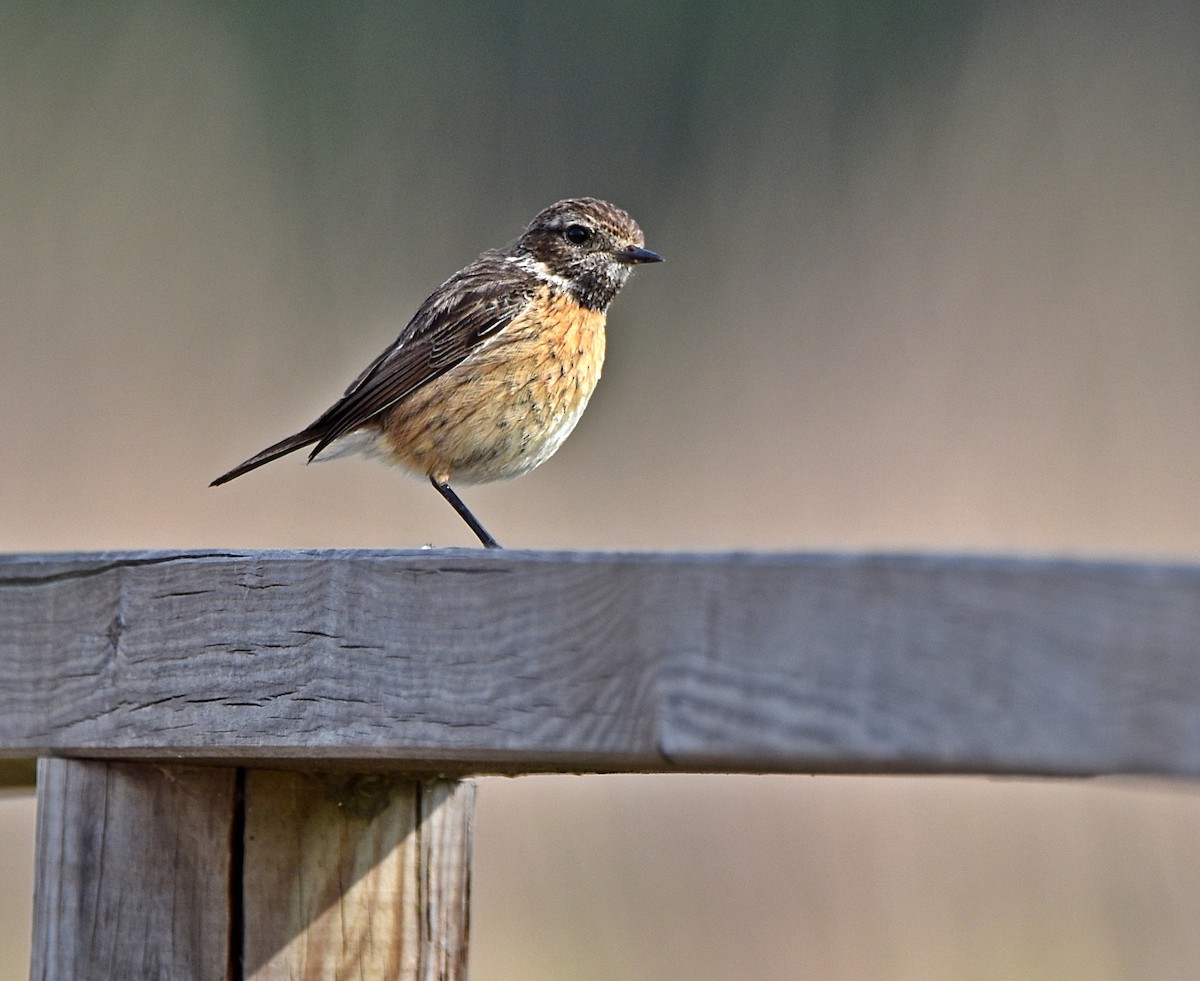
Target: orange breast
510,404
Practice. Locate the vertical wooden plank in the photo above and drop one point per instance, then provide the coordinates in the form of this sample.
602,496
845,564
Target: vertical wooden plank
447,833
132,876
355,876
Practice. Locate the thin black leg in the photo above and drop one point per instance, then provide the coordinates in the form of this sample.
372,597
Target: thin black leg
465,513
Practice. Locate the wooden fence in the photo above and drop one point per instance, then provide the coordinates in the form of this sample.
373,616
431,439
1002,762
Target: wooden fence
253,765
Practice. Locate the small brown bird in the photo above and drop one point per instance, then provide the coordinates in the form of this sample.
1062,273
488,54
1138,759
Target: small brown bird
496,367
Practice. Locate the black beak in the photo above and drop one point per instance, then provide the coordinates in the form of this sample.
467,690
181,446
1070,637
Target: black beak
634,255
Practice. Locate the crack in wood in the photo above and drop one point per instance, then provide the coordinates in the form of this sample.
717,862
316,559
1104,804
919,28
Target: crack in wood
103,569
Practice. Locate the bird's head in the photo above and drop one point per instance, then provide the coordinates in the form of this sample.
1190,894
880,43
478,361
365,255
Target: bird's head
590,245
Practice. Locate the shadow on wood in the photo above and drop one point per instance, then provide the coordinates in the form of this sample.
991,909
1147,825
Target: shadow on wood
148,871
358,874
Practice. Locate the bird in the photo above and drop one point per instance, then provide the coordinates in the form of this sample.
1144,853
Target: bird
495,368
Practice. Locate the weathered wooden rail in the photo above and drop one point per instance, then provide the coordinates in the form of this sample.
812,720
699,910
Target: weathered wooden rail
252,764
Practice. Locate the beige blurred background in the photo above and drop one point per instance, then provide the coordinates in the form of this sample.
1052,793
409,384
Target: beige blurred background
931,285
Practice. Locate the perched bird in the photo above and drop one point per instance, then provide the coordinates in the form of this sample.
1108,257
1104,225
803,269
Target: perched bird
497,365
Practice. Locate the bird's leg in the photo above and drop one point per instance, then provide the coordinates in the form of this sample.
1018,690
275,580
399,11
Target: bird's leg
464,512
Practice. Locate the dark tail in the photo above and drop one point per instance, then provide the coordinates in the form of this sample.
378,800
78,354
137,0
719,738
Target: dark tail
282,448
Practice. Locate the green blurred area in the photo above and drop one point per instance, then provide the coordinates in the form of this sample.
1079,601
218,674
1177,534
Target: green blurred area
931,284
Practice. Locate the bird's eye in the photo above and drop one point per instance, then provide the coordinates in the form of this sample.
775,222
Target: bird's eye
577,234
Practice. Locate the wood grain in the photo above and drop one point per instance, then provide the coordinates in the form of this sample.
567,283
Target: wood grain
446,842
132,872
356,876
147,871
465,661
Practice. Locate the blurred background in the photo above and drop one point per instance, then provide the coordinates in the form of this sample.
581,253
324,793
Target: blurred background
931,285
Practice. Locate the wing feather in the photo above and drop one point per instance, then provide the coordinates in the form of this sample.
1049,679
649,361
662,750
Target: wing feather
465,312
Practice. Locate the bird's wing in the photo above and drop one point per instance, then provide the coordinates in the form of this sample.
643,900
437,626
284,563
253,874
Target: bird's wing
468,309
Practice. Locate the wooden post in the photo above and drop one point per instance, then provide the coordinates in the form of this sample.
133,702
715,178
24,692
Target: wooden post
355,875
195,873
132,871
